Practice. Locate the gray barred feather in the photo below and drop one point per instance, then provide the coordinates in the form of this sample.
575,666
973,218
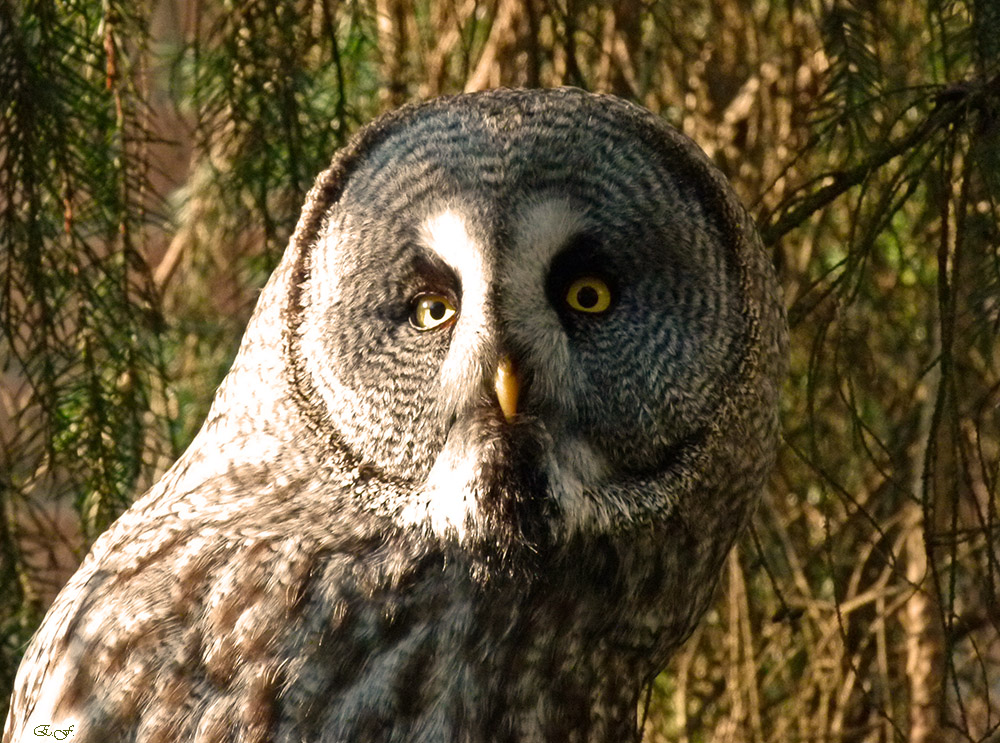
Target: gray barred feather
359,545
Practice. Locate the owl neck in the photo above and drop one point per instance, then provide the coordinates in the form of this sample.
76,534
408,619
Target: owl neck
558,653
557,673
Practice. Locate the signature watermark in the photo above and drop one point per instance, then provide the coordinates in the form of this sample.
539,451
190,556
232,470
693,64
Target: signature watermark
51,732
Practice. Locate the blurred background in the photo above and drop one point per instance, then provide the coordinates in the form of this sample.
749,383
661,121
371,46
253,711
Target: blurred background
153,159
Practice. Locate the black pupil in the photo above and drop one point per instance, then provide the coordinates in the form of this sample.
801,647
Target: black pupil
587,296
437,310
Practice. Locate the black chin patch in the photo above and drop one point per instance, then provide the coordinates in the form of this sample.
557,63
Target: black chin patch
515,511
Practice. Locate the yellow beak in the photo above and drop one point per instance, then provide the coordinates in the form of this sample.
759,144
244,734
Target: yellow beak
507,387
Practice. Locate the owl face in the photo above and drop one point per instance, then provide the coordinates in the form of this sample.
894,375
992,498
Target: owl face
512,314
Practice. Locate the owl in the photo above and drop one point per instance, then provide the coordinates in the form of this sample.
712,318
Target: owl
495,423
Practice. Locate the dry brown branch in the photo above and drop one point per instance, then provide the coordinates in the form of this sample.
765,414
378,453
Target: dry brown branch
493,68
392,20
924,640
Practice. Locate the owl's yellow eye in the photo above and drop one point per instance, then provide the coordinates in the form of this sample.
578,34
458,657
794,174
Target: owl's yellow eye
588,294
431,311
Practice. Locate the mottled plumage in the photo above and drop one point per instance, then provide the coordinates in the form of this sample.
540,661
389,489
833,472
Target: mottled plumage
360,544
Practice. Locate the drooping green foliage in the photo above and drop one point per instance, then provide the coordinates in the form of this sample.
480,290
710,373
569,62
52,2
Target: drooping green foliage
81,357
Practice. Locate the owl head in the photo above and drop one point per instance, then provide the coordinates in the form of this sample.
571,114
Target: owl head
513,317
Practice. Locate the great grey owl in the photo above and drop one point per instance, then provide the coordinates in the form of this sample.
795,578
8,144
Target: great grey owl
495,423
